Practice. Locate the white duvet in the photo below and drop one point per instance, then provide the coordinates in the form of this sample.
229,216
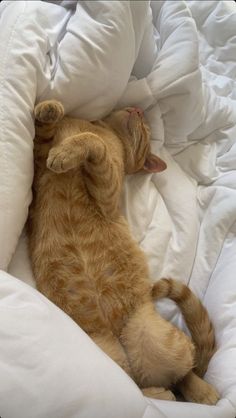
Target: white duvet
177,61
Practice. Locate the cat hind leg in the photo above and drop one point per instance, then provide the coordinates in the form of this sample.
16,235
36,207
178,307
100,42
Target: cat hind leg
161,356
158,352
113,348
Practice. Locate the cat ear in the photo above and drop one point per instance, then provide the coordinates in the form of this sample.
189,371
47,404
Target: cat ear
154,164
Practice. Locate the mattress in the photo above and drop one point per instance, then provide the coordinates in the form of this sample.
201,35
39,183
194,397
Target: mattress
177,61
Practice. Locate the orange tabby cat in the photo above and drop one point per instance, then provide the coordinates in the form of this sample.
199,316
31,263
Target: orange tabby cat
85,260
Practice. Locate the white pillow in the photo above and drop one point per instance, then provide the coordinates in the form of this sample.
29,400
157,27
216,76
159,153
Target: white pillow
97,54
24,44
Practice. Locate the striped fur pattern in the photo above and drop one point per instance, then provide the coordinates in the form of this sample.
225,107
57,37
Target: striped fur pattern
83,255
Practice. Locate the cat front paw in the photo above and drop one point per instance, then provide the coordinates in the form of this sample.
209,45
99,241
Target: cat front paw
49,111
60,161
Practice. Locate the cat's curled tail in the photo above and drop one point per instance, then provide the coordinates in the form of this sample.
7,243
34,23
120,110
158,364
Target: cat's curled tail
196,318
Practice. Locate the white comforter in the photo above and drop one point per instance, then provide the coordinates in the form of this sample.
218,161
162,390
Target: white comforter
177,61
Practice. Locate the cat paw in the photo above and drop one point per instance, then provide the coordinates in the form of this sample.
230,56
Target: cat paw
159,393
209,396
203,393
49,111
60,161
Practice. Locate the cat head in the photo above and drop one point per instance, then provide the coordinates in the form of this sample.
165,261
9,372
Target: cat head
131,128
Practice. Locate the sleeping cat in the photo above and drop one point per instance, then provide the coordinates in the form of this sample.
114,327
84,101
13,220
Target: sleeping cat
85,260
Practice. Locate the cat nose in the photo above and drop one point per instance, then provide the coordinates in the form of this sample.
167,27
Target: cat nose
139,111
136,110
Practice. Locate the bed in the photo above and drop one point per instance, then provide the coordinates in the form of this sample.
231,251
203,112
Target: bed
177,61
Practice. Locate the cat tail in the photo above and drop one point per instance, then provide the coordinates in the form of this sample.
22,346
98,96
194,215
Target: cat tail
196,318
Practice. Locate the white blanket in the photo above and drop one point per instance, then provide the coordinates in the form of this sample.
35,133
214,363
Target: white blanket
177,61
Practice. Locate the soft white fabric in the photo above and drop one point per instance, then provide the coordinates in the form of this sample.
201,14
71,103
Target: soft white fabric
177,61
24,45
51,368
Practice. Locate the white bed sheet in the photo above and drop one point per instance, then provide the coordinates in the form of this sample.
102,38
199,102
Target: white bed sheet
177,60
